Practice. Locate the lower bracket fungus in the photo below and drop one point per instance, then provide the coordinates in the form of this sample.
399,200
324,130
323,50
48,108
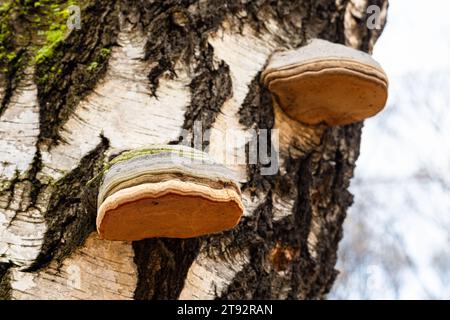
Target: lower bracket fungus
324,82
166,191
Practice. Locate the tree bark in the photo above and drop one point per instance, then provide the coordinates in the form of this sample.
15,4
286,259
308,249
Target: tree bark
136,73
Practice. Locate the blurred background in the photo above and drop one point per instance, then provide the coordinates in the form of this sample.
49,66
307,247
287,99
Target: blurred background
397,235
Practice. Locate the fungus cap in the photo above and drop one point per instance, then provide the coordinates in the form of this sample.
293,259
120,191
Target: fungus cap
326,82
166,191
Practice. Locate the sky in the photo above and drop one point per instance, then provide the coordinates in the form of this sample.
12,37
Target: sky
416,38
407,140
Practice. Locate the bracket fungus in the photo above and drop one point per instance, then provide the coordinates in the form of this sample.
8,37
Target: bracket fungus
324,82
166,191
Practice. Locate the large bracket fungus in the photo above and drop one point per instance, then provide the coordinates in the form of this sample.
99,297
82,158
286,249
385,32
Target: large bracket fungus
324,82
166,191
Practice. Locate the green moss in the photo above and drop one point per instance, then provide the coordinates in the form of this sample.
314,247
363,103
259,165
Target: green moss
7,56
6,50
193,153
35,16
102,56
105,52
47,19
56,32
127,155
5,6
92,66
53,36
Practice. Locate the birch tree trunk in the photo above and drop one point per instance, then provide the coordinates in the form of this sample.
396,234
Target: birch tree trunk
139,72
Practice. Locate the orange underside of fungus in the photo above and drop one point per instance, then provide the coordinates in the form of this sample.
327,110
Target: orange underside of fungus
167,191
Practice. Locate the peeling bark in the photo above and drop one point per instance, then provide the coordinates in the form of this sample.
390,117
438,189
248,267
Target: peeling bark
140,72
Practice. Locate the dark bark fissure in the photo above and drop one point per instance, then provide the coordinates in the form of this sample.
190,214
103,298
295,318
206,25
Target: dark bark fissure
9,189
12,77
162,266
285,242
12,53
65,78
69,218
5,285
210,89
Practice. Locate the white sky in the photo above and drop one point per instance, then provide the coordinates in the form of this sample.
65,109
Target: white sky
416,38
411,133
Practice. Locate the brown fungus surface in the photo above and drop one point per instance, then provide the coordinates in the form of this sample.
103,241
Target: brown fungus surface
324,82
